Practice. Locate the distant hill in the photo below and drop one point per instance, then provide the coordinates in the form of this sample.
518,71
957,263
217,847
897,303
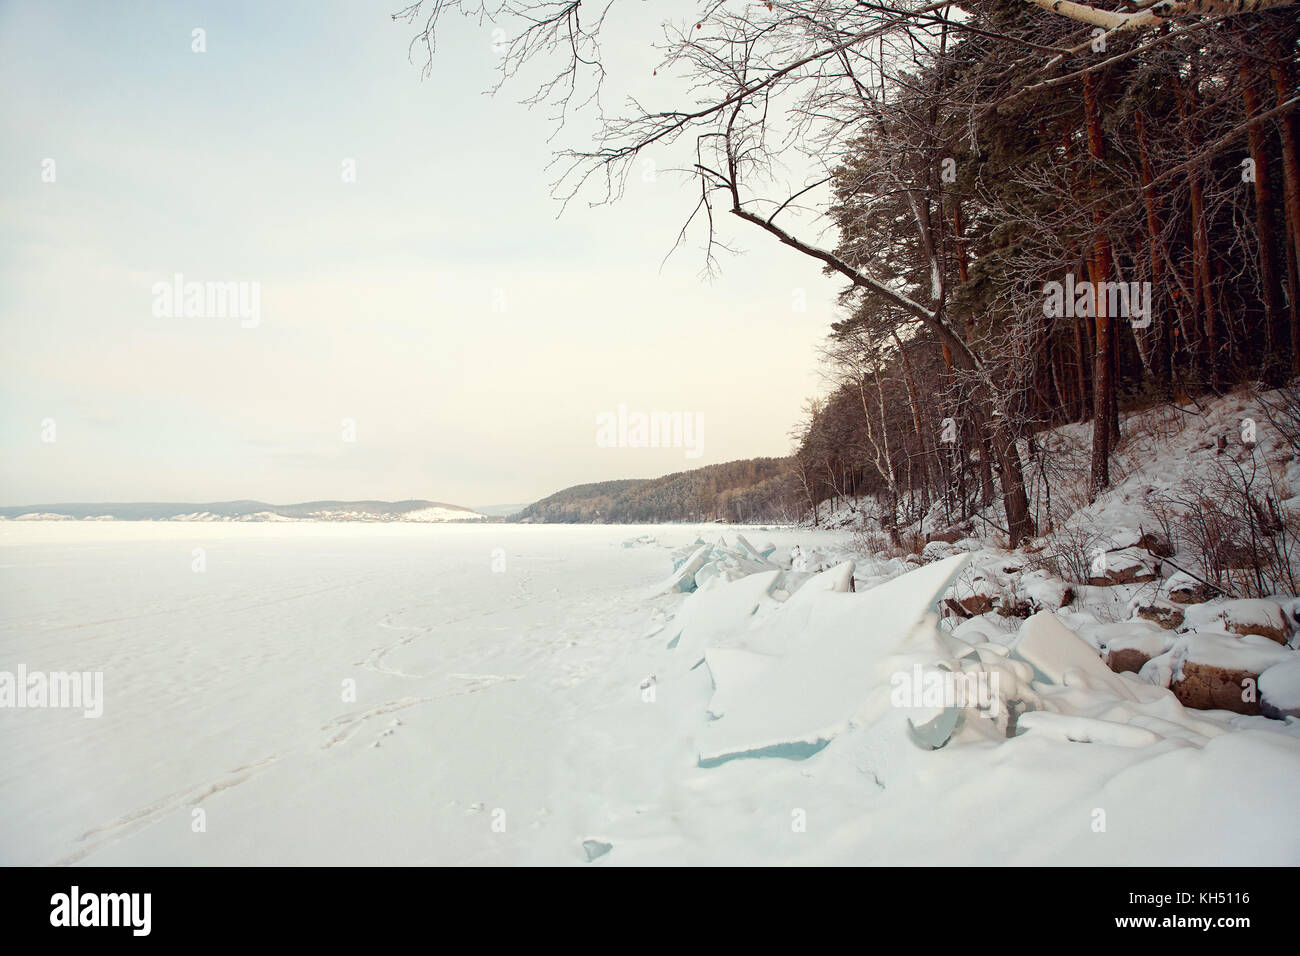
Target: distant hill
500,511
744,491
410,510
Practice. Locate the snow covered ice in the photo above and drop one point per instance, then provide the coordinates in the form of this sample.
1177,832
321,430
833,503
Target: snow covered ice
389,694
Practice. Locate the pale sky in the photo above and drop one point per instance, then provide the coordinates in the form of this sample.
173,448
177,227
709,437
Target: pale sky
376,296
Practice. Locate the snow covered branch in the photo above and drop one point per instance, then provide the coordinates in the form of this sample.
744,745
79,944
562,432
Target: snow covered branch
1157,13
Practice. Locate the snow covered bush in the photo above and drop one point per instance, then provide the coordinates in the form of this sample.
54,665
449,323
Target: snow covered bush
1233,521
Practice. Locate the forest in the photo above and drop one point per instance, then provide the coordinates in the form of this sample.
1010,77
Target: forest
1163,164
1039,212
745,491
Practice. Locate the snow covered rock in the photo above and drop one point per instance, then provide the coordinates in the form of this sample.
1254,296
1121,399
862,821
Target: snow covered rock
987,628
1044,592
1157,544
1182,588
1126,566
1165,613
937,551
947,535
1279,690
1248,616
1220,671
1119,538
975,592
1130,652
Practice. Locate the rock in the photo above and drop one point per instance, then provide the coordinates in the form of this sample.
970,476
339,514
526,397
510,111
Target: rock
1163,613
1221,671
1258,616
1045,592
936,551
1126,659
1012,608
1119,538
970,606
974,593
1130,644
1234,555
1292,611
981,630
1157,544
1279,690
1182,588
1127,566
1159,671
1206,687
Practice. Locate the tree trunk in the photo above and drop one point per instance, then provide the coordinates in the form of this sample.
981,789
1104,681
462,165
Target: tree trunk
910,381
1201,243
1291,183
1098,271
1276,334
1160,345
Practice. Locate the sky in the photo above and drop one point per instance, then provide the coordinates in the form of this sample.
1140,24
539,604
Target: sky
431,327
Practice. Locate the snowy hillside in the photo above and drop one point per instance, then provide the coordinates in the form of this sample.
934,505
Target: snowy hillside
1183,573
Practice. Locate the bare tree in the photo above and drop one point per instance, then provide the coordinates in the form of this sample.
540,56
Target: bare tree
800,85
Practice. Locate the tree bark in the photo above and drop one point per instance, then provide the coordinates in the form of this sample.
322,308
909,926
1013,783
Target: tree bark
1209,344
1291,184
1276,334
1098,272
1160,344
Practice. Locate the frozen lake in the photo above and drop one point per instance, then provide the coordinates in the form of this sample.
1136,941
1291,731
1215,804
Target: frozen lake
476,690
457,694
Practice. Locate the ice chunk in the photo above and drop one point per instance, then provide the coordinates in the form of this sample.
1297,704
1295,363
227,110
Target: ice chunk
934,733
743,544
1053,649
719,611
731,671
683,577
793,705
837,579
